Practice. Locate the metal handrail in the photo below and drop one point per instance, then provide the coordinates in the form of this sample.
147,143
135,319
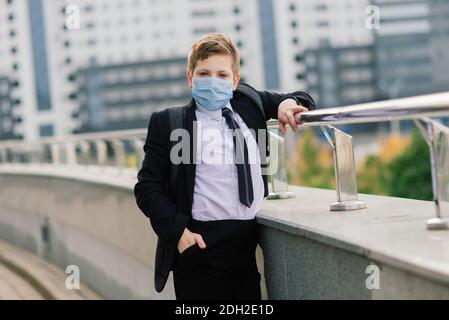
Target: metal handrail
85,149
431,105
106,135
419,109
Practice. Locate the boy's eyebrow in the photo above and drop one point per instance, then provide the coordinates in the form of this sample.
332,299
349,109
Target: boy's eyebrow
205,70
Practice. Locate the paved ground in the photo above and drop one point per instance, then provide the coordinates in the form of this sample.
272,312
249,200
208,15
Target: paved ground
25,276
14,287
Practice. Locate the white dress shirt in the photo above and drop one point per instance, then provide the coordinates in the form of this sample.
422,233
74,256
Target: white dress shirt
216,191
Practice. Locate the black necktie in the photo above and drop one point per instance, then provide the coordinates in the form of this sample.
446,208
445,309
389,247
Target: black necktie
241,155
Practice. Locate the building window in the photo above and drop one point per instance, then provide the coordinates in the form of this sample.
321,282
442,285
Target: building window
323,24
299,58
6,107
88,8
46,130
321,7
204,30
208,13
71,77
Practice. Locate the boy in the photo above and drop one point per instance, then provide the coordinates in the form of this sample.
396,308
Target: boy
206,226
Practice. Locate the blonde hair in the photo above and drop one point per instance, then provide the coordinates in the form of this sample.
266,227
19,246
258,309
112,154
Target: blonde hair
213,44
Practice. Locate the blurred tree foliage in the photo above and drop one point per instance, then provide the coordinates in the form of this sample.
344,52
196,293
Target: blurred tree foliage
312,164
408,175
402,168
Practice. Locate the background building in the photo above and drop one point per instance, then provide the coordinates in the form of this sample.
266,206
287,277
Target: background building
412,47
49,47
341,76
46,53
16,64
302,25
123,96
6,103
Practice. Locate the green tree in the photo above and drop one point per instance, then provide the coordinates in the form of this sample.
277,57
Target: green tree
312,165
408,175
370,176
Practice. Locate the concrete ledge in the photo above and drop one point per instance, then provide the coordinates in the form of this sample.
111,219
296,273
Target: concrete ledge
90,219
390,234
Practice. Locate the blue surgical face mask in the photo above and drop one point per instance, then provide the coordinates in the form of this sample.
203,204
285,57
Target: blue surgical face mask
212,93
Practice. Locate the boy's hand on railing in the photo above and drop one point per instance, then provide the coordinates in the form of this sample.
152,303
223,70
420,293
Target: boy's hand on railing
286,114
189,239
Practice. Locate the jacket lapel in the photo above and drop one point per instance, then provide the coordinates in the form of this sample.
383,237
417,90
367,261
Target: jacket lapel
247,115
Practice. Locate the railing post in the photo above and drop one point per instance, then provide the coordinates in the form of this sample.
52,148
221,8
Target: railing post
10,155
35,155
70,152
277,171
437,137
55,153
84,146
119,153
138,149
3,157
345,174
101,152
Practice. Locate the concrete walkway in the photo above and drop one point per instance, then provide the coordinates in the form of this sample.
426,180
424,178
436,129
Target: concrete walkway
13,287
25,276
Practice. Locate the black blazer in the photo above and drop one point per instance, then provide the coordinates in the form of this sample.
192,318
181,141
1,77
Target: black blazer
170,212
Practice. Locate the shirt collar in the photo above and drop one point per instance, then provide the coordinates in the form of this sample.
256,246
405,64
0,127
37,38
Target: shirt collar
213,114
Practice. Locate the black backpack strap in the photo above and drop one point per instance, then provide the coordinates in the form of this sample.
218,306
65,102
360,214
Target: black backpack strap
252,94
177,120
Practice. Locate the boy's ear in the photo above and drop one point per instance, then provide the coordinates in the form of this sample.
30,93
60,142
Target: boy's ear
236,81
189,79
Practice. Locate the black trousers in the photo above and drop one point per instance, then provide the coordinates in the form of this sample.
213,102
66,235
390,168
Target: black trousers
226,269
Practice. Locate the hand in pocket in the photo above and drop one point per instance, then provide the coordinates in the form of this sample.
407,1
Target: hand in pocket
190,239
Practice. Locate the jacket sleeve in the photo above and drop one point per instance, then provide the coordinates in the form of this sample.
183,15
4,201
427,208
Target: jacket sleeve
271,101
151,189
